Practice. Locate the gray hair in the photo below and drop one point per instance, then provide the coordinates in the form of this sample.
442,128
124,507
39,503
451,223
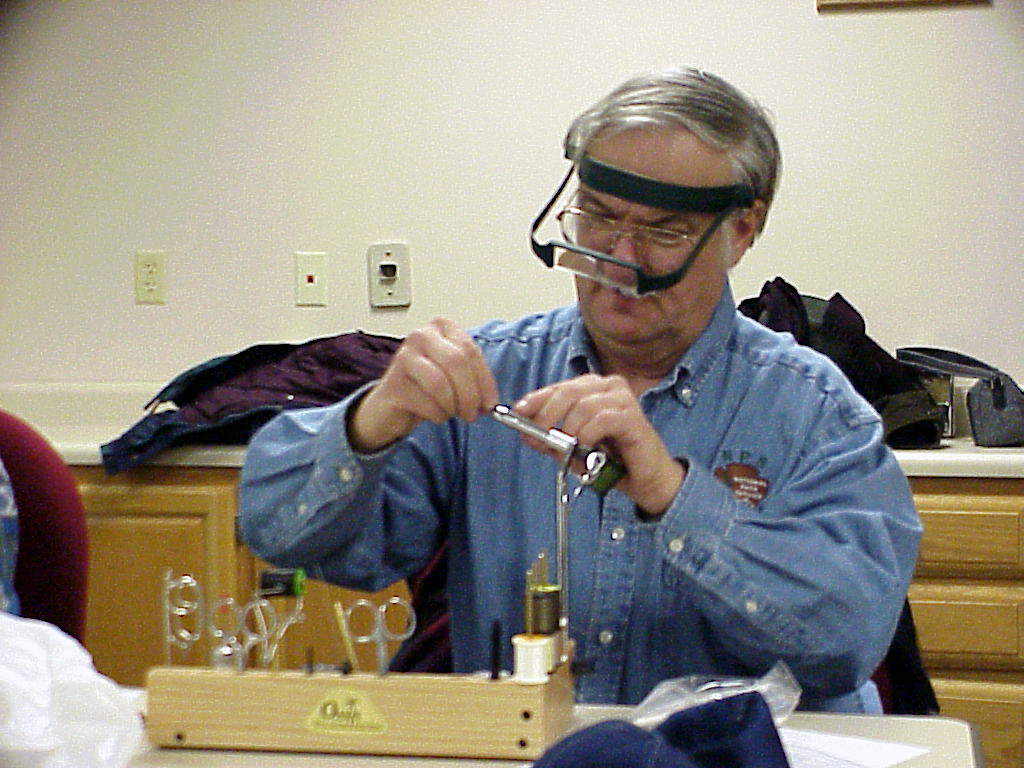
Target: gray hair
704,104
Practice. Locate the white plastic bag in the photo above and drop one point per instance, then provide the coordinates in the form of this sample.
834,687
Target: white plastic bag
56,710
778,687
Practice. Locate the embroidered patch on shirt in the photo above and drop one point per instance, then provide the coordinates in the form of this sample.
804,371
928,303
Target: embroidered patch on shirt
745,482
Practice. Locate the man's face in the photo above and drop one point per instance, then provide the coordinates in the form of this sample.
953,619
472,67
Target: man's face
678,315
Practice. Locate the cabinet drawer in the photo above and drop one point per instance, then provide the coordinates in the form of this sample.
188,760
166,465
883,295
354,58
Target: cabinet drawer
990,537
996,710
970,524
969,620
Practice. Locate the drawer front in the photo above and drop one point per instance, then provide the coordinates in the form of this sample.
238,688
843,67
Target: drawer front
972,527
975,622
996,710
979,536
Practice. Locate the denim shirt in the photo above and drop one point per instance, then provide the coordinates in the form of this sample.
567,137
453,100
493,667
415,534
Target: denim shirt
793,536
8,544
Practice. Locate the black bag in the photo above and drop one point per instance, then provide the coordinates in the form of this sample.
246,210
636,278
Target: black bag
910,416
995,404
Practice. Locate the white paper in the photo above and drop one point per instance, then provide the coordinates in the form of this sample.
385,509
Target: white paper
812,749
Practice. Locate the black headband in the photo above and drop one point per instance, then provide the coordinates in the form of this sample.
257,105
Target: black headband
659,194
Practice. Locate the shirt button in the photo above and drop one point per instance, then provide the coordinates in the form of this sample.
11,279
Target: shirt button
345,473
676,545
617,534
751,606
303,509
686,395
606,636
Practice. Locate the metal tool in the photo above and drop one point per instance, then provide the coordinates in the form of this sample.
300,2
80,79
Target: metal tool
346,637
542,605
259,629
183,597
562,502
224,625
381,634
286,582
601,471
234,629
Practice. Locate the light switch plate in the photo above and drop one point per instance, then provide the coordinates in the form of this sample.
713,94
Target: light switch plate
310,279
389,274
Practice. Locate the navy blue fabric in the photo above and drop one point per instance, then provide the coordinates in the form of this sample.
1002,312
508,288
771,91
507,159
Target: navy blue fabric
157,432
224,400
613,744
735,732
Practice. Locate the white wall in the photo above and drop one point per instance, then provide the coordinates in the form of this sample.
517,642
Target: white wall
231,134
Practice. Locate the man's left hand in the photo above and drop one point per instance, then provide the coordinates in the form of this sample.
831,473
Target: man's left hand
602,411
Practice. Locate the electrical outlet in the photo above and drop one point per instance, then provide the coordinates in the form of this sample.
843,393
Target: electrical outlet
310,282
150,277
389,274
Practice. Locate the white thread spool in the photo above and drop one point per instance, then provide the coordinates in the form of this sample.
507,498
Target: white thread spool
532,658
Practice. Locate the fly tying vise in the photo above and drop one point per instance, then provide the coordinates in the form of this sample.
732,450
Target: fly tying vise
513,716
543,646
601,471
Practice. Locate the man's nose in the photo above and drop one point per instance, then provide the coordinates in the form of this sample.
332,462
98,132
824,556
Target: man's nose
625,245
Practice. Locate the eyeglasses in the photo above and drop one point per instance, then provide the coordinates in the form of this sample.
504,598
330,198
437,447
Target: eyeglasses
587,237
592,230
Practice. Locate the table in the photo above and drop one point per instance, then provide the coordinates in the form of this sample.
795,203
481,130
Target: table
952,744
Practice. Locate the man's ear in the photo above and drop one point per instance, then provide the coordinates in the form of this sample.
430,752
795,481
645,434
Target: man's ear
746,225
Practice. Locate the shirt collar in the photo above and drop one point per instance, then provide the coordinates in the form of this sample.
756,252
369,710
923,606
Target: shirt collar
693,367
582,357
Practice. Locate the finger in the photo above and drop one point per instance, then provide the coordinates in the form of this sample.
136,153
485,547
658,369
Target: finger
414,385
462,361
559,405
546,406
450,370
607,413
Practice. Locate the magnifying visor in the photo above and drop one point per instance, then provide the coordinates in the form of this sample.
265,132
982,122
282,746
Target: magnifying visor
586,236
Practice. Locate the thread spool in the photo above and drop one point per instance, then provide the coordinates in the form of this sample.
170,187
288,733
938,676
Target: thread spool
532,658
543,609
286,582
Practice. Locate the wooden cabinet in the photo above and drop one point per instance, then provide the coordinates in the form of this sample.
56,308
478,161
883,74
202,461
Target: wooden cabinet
967,595
153,520
141,524
968,602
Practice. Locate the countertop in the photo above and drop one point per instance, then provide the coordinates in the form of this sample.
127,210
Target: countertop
102,412
958,457
80,446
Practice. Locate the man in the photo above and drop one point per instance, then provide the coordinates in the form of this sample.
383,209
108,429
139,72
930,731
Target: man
760,517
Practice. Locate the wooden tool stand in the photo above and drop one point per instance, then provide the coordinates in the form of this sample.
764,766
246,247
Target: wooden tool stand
398,714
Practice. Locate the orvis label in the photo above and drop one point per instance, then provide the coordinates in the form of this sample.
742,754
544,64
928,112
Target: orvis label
346,710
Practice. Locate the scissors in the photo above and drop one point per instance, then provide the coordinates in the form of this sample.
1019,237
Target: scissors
183,597
224,623
259,628
381,634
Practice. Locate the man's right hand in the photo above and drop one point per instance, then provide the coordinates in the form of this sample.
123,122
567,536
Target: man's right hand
437,373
